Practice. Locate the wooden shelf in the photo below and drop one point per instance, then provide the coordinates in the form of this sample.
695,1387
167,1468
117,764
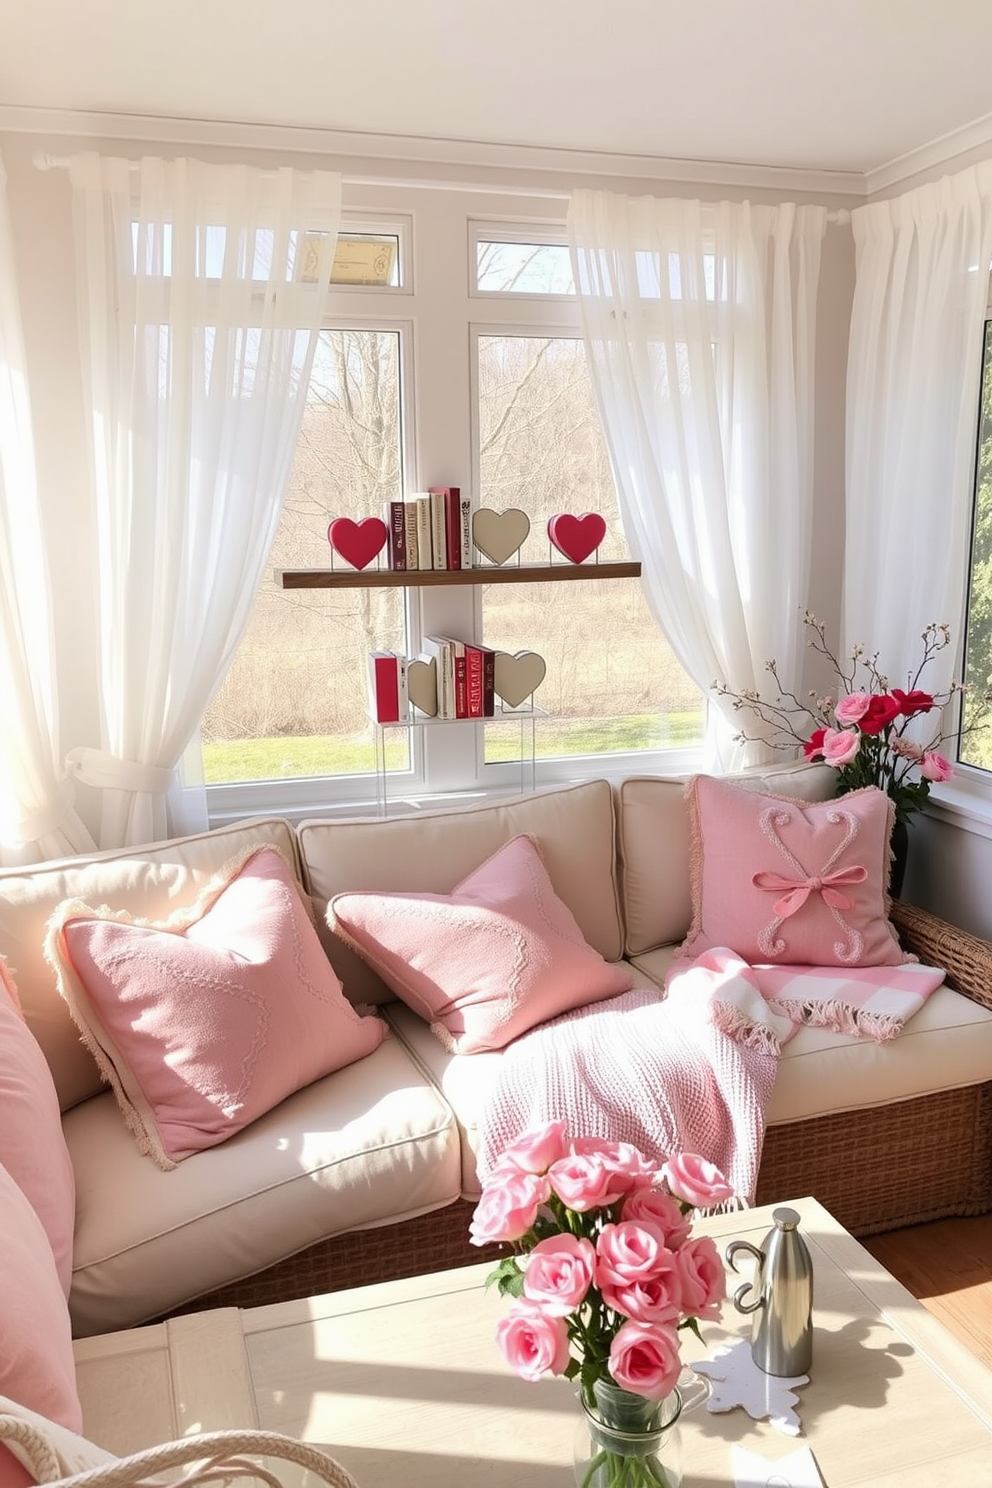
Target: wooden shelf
384,578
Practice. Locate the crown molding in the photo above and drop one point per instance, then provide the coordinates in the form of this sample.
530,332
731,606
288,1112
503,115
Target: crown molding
360,153
942,152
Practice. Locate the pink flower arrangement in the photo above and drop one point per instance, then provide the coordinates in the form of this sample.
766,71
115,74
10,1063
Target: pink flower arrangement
867,730
606,1270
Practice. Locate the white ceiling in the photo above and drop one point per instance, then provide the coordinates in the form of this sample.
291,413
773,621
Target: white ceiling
823,85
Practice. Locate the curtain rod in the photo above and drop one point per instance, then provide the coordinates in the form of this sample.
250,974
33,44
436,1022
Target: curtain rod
45,162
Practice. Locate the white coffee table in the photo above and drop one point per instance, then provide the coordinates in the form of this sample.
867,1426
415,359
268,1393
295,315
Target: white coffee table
403,1383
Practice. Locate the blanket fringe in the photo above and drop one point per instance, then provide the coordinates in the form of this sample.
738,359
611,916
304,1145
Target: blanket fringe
743,1030
840,1017
736,1204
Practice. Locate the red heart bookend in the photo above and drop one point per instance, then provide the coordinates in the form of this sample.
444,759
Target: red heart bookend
357,542
577,537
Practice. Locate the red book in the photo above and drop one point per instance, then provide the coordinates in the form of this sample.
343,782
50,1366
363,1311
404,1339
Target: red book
452,522
384,686
395,518
474,681
458,649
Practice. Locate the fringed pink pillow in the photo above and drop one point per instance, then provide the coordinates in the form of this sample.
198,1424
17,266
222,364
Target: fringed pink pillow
788,881
206,1021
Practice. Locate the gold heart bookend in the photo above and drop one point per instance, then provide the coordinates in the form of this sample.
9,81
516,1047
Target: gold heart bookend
421,684
499,535
517,676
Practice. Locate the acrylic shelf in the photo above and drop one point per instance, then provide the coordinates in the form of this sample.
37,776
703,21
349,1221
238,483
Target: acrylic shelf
500,715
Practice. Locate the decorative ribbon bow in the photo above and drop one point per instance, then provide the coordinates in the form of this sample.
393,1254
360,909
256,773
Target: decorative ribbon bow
798,890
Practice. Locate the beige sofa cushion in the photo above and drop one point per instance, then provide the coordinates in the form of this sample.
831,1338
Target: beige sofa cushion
150,883
431,852
368,1145
653,847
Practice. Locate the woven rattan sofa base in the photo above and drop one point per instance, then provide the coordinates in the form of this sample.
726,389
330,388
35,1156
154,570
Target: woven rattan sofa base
875,1170
431,1242
884,1167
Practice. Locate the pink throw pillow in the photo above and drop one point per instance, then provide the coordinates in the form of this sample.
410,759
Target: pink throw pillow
32,1147
14,1474
206,1021
486,962
797,882
37,1368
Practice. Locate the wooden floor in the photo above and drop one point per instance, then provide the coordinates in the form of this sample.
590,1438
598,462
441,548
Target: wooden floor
947,1265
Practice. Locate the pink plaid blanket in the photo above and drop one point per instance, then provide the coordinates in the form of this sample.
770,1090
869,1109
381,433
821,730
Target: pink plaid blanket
865,1001
659,1072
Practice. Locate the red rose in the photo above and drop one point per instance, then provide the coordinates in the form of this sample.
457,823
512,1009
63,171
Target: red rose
880,712
813,748
912,702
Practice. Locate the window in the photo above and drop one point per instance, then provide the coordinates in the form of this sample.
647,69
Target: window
613,684
439,367
277,714
976,747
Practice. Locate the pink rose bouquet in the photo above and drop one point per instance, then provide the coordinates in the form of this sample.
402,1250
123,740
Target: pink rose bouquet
605,1270
868,731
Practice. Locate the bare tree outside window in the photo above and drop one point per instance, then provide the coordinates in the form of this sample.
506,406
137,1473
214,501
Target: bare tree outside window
612,682
295,700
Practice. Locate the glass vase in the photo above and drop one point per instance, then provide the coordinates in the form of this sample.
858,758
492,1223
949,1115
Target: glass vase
626,1441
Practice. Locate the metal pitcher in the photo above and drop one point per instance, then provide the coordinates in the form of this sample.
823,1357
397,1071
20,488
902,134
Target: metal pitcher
782,1305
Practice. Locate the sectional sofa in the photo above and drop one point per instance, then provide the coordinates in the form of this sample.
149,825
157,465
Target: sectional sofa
369,1171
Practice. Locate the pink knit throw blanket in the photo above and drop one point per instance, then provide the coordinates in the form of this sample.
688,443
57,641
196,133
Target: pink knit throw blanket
657,1072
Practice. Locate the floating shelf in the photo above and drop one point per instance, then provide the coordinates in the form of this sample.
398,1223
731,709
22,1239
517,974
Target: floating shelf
386,578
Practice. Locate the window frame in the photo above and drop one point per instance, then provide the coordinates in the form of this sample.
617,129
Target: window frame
447,765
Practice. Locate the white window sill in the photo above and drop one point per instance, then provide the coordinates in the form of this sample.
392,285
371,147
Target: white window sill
964,802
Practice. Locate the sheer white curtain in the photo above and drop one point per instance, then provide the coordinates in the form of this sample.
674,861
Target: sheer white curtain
699,322
202,289
913,384
37,819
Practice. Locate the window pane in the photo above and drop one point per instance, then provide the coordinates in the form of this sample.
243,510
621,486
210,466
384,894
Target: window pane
976,747
364,258
523,268
612,682
295,700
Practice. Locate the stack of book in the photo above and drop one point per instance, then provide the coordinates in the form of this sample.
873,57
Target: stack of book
389,700
430,529
465,677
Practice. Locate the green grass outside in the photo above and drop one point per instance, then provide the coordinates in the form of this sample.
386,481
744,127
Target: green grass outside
284,758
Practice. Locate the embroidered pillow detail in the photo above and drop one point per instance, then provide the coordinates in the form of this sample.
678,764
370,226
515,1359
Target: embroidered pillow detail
790,881
204,1022
826,882
483,964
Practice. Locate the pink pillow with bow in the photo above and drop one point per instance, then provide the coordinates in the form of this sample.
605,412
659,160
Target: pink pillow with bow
486,962
797,882
206,1021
